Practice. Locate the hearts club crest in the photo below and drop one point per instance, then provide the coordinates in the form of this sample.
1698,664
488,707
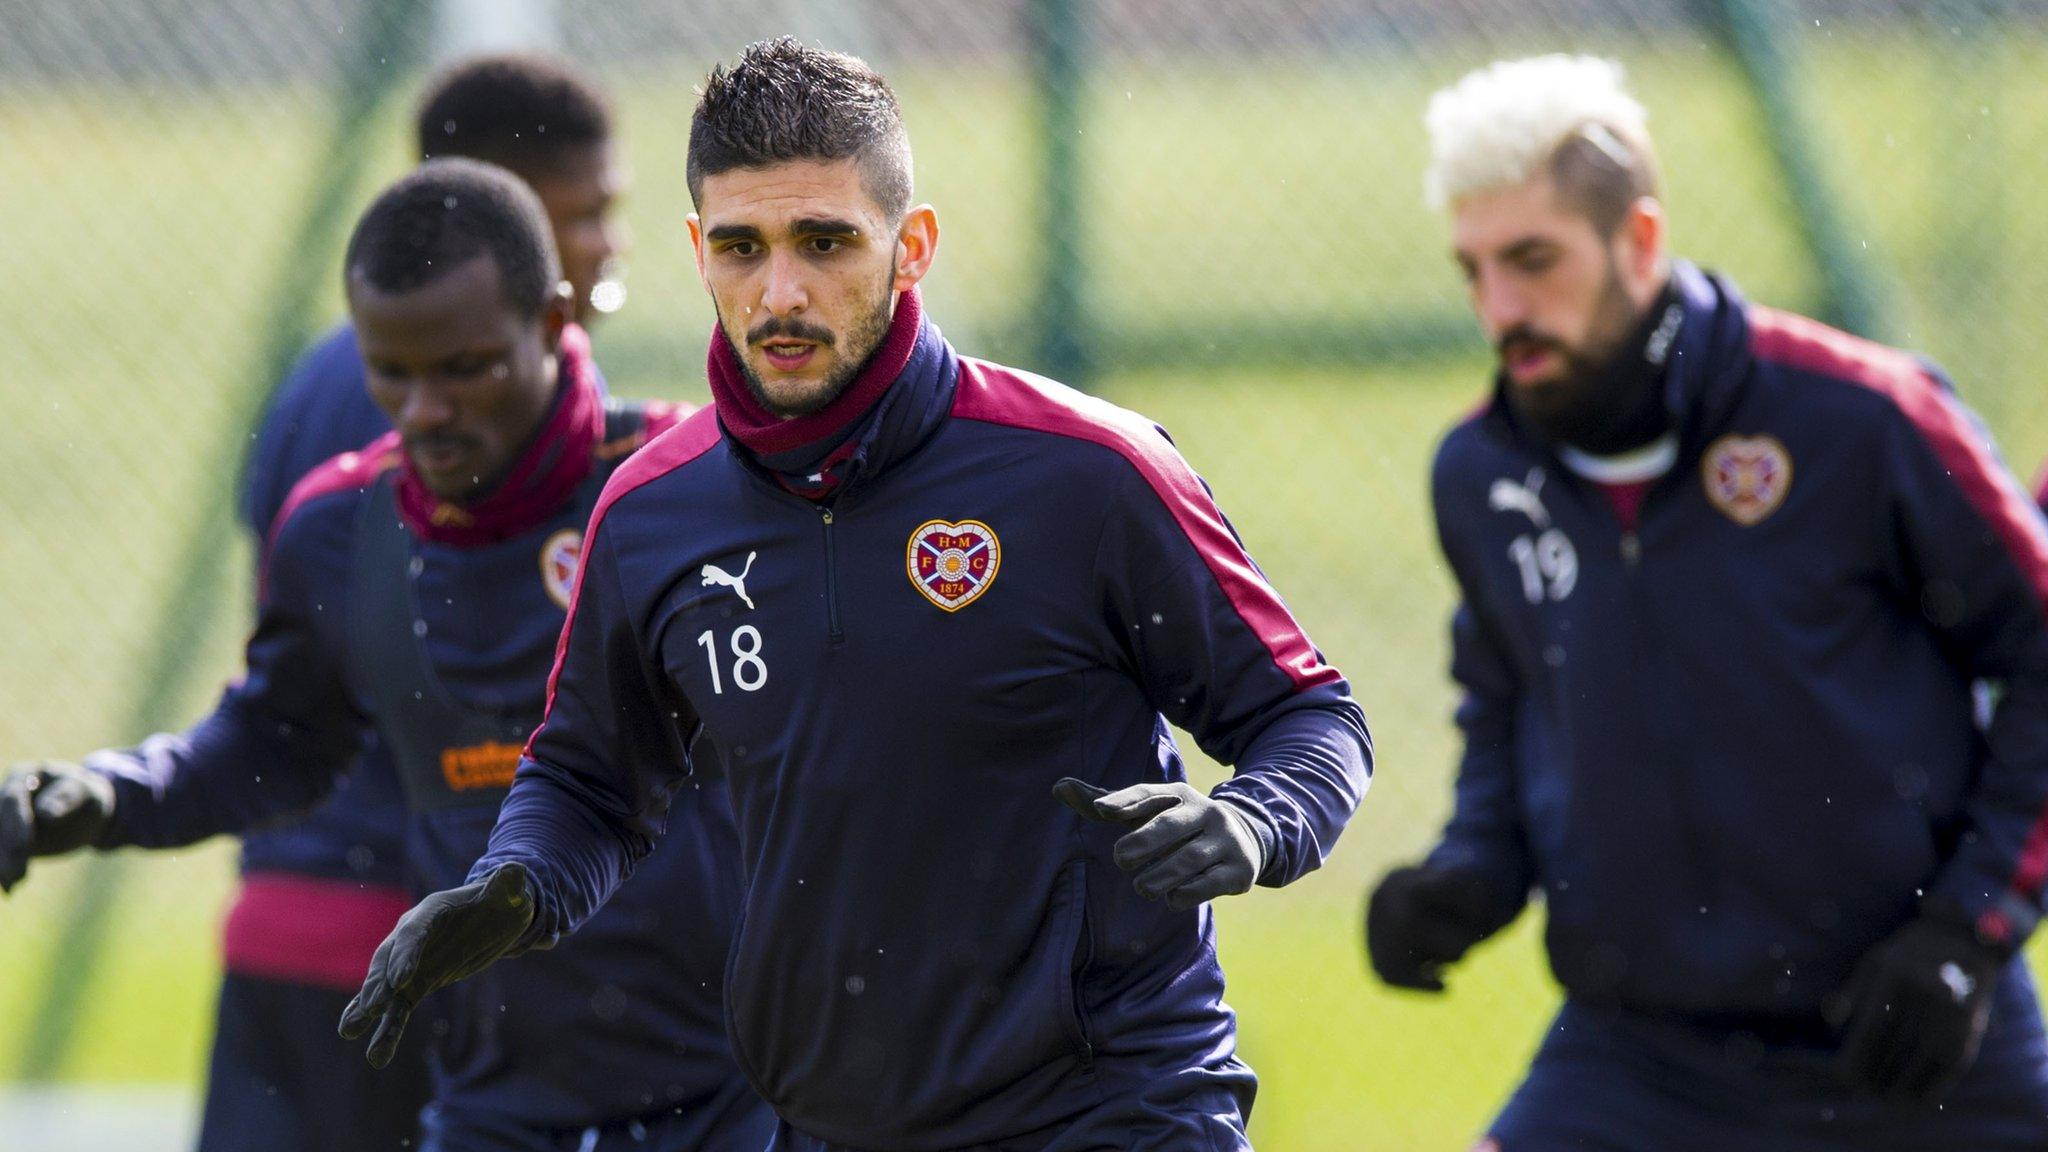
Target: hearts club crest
558,560
1746,477
953,564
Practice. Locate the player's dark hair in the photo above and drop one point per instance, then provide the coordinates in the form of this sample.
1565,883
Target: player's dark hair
785,102
1602,172
528,113
447,212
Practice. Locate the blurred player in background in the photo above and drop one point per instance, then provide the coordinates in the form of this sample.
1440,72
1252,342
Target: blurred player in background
419,585
318,894
901,597
1728,576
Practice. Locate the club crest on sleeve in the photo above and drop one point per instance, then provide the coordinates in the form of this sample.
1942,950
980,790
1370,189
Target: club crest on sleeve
953,564
559,557
1746,477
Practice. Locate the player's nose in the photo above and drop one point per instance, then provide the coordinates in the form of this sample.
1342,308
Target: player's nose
785,292
1500,305
426,408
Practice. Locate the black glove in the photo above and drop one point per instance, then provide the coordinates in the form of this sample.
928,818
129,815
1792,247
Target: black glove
1422,918
448,936
1915,1009
47,808
1185,848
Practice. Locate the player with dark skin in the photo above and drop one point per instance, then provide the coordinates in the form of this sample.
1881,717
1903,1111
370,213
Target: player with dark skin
401,596
581,188
465,384
318,893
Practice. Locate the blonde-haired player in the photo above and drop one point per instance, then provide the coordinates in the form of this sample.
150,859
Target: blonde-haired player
1727,577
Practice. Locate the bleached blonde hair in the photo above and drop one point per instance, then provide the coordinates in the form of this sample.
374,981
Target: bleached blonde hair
1502,124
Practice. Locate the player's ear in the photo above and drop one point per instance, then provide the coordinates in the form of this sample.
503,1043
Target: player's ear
1644,229
696,226
917,242
557,314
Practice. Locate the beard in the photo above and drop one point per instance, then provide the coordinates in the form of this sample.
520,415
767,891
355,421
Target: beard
1602,400
863,337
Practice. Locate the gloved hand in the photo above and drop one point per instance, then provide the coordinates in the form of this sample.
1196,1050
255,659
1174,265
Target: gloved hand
47,808
1184,847
1422,918
1915,1009
448,936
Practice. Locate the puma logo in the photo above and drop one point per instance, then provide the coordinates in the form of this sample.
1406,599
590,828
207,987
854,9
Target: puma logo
1508,496
713,574
1958,981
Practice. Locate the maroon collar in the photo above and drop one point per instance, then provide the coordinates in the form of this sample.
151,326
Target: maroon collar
769,435
560,457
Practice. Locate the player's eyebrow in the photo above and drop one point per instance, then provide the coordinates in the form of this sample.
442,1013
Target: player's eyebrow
725,232
824,226
1526,247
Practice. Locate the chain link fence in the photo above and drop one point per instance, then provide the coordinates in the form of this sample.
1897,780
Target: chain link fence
1209,212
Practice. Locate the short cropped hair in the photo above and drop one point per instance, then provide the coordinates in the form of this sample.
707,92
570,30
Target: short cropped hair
445,213
1567,116
526,112
785,102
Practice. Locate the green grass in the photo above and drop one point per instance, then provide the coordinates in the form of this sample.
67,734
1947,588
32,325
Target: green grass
1222,192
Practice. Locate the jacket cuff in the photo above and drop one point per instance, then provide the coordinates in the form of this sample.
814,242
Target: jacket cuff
1253,816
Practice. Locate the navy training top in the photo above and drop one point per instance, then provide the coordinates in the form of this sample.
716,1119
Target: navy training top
616,1027
1737,746
1013,583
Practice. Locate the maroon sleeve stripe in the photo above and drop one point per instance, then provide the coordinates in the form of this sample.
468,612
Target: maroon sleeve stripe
992,394
664,454
1964,453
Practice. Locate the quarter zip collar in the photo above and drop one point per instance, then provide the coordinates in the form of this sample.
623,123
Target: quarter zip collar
1705,366
897,402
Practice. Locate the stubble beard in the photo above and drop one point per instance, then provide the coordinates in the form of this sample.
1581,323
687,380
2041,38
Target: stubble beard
860,343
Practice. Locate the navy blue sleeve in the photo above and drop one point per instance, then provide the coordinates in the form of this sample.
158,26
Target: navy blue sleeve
322,409
1218,654
277,739
593,790
1973,557
1485,833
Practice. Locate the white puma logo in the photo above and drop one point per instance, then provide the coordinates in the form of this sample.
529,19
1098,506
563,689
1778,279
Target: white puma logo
713,574
1508,496
1958,981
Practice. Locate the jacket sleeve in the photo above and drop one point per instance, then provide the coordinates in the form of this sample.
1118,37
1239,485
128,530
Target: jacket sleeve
273,745
1217,653
1972,557
1485,834
592,791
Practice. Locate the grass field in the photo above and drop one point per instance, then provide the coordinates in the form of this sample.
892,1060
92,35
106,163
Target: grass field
1220,192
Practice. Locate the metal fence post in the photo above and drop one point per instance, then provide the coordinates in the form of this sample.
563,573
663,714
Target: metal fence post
1060,327
1762,34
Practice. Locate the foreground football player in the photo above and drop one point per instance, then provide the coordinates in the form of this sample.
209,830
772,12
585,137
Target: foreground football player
909,603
